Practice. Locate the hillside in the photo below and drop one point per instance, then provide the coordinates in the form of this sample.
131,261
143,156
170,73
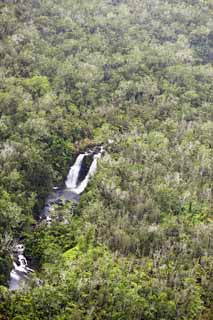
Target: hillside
136,77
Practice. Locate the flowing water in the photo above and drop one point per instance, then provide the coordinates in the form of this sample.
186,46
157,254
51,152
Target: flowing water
72,178
82,186
72,190
20,270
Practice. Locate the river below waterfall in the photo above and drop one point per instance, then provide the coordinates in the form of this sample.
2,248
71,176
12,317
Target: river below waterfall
75,185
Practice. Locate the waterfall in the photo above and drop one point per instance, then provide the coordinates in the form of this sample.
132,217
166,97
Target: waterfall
60,195
72,177
81,187
19,271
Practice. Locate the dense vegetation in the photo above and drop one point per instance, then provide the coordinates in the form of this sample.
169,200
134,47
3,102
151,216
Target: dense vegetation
75,73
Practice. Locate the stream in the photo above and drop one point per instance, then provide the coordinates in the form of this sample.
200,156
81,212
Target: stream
74,187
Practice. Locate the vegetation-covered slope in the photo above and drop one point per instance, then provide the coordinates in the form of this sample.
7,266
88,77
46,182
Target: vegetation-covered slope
75,73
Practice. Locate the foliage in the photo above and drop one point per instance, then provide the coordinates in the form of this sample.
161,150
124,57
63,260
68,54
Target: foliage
137,77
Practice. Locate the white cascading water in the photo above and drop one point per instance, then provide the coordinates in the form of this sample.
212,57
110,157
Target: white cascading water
81,187
72,178
19,271
73,174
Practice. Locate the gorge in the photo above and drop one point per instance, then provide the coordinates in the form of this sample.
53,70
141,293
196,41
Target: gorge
71,191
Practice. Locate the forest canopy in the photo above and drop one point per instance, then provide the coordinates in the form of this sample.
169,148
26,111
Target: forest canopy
137,74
